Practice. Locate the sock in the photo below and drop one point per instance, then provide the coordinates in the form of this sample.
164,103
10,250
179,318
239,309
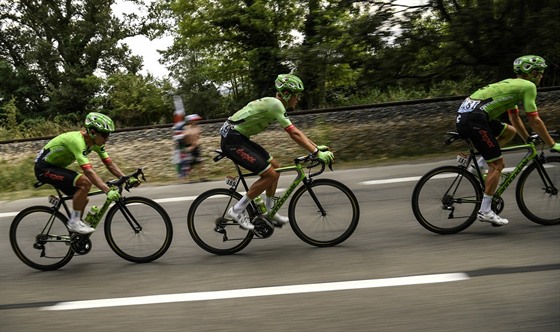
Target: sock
482,163
242,204
486,205
75,215
269,202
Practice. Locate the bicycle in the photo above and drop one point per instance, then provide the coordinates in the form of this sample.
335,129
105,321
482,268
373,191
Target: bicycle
322,212
136,228
446,199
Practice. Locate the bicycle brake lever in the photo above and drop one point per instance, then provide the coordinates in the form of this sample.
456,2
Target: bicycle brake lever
330,166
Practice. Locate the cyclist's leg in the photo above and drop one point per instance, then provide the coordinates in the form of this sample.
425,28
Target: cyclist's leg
482,134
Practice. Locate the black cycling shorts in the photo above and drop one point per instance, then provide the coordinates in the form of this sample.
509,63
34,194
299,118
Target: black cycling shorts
59,177
482,132
245,152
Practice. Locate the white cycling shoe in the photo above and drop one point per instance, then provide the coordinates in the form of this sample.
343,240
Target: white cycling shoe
280,219
242,219
78,226
492,218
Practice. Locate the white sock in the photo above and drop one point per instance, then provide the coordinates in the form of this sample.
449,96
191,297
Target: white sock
269,202
486,205
75,215
482,163
242,204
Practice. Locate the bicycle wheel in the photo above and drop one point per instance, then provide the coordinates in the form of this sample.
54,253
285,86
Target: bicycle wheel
138,229
446,199
325,214
537,192
209,227
40,239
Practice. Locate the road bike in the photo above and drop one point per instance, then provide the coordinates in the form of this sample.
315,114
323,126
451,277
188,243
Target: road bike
136,228
322,212
446,199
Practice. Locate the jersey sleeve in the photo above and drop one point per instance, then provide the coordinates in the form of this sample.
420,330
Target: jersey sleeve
103,155
529,98
280,114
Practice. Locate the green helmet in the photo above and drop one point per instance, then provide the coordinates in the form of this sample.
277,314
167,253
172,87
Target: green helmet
527,63
100,122
288,82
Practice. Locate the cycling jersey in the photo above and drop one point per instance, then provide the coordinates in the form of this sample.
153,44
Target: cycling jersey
499,97
258,115
66,148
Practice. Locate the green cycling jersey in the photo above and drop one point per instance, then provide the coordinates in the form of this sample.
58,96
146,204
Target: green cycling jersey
66,148
499,97
258,115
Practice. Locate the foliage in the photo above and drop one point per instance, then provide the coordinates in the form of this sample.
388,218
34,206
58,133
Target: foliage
49,47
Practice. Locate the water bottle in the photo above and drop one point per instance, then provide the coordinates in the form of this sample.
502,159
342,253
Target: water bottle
260,204
92,214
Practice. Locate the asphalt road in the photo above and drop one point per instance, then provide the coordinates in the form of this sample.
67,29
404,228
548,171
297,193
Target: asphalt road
391,275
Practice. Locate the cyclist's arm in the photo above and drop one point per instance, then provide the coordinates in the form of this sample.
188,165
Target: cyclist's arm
112,167
94,178
299,137
516,121
537,124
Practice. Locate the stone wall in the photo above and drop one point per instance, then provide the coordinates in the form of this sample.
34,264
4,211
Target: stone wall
372,133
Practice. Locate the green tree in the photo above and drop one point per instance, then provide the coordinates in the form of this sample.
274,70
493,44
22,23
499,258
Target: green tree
49,47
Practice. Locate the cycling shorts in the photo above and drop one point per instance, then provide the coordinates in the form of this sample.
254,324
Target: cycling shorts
59,177
482,132
245,152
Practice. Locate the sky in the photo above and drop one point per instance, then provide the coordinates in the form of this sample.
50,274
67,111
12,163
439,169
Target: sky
147,49
144,47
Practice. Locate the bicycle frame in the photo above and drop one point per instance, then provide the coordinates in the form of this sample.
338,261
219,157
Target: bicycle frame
531,155
300,177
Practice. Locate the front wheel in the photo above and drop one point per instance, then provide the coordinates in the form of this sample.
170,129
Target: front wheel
40,239
537,191
324,213
209,226
446,199
138,229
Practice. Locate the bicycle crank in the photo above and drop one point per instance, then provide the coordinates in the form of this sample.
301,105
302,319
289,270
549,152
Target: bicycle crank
497,204
263,227
81,244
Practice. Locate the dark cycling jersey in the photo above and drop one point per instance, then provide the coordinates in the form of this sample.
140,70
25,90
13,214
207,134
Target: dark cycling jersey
66,148
499,97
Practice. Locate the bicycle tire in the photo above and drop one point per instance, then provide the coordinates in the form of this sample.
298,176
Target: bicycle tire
446,199
210,229
149,241
45,252
534,201
342,213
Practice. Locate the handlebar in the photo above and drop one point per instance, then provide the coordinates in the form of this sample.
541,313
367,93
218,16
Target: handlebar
123,180
313,161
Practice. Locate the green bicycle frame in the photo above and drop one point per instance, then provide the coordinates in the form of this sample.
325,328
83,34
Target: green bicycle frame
531,154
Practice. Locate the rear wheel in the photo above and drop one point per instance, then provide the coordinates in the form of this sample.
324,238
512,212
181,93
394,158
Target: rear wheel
40,239
209,226
446,199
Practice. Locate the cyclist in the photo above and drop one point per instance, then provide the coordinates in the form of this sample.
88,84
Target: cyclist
63,150
252,119
477,120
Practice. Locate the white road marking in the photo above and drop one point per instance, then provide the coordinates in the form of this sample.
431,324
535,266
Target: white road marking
262,291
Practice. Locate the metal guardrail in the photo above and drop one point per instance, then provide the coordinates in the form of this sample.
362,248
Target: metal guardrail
301,112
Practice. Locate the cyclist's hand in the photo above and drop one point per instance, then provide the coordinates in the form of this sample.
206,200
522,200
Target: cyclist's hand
323,148
555,147
326,156
113,195
133,182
